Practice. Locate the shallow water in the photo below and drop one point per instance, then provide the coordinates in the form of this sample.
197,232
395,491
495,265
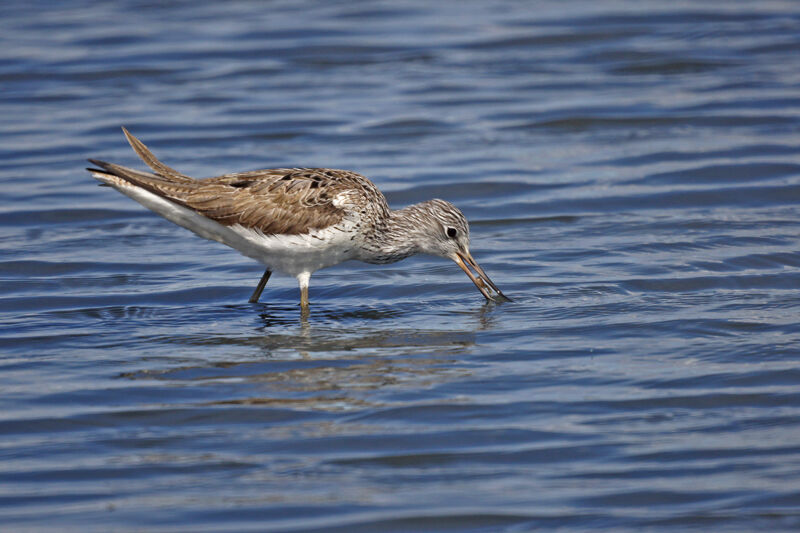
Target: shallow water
631,173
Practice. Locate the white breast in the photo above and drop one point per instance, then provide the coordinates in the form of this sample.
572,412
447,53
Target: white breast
294,254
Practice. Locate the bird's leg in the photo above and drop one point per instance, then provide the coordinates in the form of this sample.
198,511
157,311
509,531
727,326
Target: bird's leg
304,296
304,309
260,287
303,280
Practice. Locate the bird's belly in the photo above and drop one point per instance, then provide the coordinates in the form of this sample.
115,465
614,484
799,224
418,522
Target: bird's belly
294,254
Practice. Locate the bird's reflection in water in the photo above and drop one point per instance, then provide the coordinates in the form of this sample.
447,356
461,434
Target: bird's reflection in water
271,319
332,361
486,318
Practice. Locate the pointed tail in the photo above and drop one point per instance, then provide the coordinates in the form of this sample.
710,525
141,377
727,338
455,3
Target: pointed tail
168,173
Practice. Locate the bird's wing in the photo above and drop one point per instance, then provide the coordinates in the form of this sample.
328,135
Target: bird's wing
276,201
289,201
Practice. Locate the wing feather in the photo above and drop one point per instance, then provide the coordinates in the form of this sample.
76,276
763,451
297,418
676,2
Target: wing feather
158,167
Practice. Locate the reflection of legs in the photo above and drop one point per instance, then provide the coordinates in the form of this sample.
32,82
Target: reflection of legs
303,278
260,288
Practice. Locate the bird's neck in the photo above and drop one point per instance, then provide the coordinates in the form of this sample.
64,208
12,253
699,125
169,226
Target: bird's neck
399,234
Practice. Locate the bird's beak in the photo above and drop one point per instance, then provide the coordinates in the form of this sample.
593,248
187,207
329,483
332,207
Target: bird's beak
480,279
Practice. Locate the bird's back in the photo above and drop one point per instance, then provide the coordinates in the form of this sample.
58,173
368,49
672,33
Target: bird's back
262,213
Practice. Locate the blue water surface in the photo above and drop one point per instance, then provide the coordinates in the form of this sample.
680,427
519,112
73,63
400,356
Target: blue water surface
631,171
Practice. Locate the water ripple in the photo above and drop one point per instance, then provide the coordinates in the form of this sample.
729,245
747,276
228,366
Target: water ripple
630,171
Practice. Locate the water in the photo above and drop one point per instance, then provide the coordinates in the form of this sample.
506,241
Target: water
631,173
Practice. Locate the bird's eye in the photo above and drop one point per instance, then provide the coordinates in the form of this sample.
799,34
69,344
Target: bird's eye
451,232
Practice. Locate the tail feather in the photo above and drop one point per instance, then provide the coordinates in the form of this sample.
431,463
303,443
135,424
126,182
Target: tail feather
102,176
122,177
108,179
128,174
168,173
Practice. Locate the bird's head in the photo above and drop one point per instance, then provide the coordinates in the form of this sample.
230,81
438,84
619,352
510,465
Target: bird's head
448,237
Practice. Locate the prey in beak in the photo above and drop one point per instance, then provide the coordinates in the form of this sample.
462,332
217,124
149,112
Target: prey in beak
479,278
